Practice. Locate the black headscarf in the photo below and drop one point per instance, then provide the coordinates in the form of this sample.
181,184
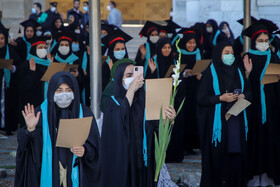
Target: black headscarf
111,50
187,37
136,112
55,113
214,24
54,29
70,49
231,38
3,49
228,75
164,62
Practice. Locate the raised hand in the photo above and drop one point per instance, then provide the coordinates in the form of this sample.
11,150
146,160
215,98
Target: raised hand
30,118
32,64
137,83
247,64
143,51
152,65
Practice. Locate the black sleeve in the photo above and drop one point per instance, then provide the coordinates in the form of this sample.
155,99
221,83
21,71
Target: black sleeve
91,159
29,155
205,94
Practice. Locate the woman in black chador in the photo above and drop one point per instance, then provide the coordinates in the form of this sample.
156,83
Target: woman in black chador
223,143
39,162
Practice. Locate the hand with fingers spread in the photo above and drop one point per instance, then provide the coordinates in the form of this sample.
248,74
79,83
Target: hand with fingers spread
228,97
170,112
143,51
152,65
30,118
79,151
49,56
248,65
32,64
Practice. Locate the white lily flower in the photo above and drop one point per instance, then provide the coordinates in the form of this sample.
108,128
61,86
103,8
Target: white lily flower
175,76
178,65
174,82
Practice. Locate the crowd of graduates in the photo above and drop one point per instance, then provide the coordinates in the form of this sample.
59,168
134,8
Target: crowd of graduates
241,151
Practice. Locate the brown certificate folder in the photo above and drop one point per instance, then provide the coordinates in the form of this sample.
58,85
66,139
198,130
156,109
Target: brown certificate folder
6,63
73,132
170,70
158,93
55,67
200,66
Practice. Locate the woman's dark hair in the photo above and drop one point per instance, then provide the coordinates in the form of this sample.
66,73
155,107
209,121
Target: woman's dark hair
113,3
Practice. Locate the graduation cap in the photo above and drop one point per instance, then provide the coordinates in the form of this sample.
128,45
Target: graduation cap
108,28
53,4
165,28
38,40
277,32
189,31
68,36
253,20
148,28
30,23
4,30
117,35
260,26
172,24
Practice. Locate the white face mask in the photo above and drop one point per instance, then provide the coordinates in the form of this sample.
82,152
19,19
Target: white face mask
48,42
209,29
77,31
53,9
225,30
63,100
64,50
154,39
169,35
262,46
109,8
41,53
127,82
39,33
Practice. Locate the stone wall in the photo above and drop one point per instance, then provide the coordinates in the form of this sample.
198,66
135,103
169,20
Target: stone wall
187,12
16,11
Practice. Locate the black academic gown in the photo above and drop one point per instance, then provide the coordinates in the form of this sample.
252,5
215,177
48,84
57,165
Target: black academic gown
21,49
264,139
31,86
124,140
216,160
29,157
11,93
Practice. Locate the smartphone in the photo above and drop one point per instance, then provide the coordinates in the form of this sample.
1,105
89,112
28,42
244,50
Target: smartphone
237,91
138,70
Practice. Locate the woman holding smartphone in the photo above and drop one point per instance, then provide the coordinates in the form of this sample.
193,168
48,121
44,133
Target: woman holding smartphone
223,143
122,156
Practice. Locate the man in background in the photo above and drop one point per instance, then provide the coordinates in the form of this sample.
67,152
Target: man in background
115,16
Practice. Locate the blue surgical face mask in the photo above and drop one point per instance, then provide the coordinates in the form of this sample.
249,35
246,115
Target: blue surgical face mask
34,11
228,59
119,54
85,8
75,47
